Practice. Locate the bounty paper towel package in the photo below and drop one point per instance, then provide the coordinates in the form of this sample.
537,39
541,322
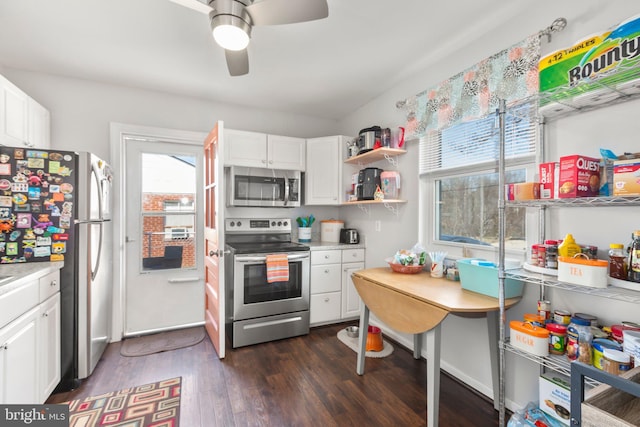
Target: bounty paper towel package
584,73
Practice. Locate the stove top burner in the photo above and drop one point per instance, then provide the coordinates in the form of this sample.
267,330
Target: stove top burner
270,247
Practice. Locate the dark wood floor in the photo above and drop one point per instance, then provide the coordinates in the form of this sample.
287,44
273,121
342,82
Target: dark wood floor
302,381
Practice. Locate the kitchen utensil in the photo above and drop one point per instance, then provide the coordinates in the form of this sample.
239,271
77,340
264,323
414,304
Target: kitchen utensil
368,182
349,236
367,139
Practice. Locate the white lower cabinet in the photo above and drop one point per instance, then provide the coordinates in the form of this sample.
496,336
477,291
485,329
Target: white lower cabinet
333,296
30,342
19,360
49,318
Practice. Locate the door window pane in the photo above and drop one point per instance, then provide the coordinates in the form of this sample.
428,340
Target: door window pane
168,212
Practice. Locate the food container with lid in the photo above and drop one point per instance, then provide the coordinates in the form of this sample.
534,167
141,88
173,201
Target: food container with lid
598,350
581,271
330,230
529,338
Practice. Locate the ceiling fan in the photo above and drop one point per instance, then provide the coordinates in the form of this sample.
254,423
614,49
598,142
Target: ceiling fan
232,20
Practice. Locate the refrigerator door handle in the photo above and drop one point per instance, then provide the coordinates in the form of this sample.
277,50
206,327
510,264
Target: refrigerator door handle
95,172
94,271
88,221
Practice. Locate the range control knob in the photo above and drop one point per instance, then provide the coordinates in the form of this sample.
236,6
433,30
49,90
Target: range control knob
284,223
279,223
239,224
232,223
273,223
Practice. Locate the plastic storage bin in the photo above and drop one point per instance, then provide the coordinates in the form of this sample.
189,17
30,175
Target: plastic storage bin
481,276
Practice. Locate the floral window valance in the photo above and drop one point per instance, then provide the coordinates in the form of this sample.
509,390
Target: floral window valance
511,74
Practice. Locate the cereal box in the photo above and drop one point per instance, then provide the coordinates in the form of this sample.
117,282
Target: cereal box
579,177
626,177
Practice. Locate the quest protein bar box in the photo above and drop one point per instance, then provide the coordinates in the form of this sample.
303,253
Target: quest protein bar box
579,177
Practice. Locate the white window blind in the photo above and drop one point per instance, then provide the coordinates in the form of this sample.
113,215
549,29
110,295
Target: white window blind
476,142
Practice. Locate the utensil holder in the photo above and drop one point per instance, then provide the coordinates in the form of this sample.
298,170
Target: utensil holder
304,234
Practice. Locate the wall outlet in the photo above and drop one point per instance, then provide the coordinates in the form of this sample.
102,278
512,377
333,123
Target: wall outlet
378,225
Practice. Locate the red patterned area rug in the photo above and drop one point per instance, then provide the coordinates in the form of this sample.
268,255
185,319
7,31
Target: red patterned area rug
149,405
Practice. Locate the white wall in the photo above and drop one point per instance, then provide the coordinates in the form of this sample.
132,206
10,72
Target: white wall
81,111
464,348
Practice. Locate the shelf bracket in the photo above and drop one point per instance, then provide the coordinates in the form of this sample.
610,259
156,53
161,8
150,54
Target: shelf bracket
392,160
391,207
363,208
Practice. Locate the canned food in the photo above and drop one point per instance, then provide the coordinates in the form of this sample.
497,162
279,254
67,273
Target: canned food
557,338
544,309
561,317
592,319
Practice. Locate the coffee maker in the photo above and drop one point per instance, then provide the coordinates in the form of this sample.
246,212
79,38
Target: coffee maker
368,182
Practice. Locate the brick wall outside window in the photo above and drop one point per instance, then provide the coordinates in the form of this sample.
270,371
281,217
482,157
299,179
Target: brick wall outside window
153,244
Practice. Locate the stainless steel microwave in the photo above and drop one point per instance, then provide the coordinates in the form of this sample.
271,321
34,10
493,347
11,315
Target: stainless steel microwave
263,187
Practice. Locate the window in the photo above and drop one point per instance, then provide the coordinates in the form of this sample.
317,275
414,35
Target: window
179,226
460,164
467,210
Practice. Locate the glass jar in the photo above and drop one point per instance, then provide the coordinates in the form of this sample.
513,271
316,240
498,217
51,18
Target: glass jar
617,261
579,339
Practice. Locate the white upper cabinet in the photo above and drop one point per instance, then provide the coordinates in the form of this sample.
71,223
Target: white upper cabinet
254,149
286,152
323,180
23,122
39,135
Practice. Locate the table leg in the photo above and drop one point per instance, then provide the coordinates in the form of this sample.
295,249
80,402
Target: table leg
417,346
433,375
362,339
493,328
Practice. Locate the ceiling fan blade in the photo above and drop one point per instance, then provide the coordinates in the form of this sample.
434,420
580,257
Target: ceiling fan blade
276,12
237,62
196,5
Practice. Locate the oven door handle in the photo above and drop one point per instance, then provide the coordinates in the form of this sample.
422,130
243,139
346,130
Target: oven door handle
264,258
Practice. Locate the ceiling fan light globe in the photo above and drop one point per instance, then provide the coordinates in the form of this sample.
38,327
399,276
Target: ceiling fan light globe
231,37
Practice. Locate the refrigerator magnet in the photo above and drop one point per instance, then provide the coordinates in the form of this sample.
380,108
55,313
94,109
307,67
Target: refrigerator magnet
42,251
12,248
5,169
24,220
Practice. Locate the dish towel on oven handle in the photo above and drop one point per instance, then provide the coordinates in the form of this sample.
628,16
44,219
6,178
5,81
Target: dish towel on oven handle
277,268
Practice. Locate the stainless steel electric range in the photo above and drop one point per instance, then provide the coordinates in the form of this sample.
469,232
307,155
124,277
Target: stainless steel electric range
259,311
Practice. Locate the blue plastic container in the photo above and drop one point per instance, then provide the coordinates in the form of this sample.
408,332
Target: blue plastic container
481,276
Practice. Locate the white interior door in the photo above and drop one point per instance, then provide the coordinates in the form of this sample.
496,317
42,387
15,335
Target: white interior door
164,273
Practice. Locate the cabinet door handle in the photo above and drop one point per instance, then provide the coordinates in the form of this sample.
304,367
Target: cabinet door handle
326,300
326,257
45,314
53,283
327,271
4,347
264,161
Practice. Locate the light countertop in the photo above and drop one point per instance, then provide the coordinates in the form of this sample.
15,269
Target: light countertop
13,276
323,246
